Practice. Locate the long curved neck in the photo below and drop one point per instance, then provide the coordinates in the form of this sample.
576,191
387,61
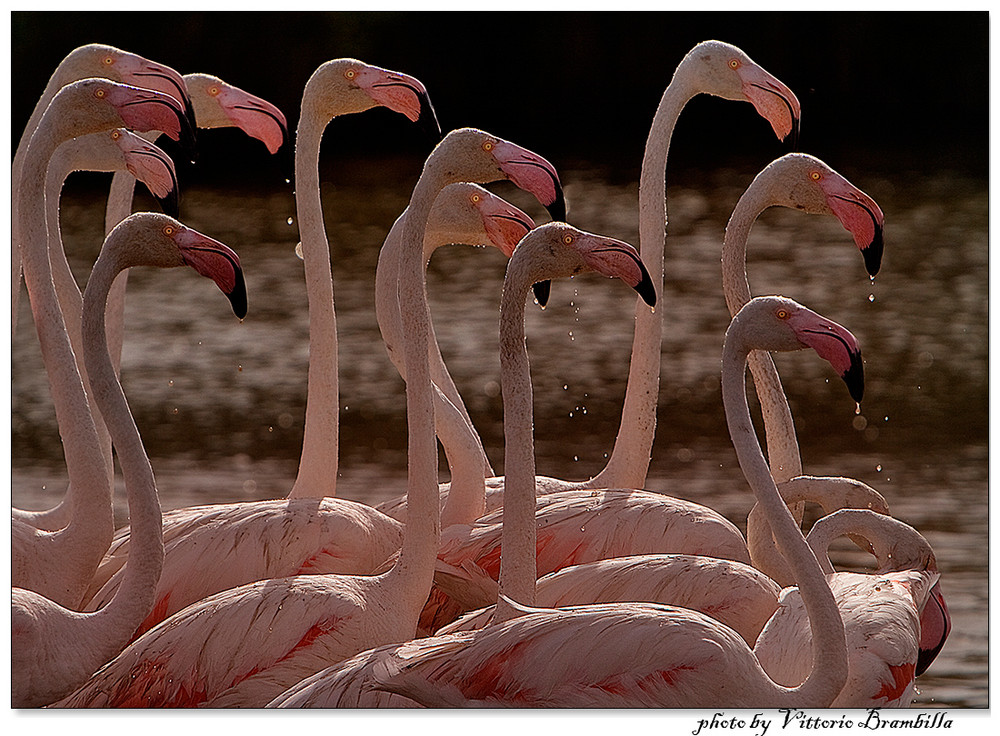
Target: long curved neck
779,428
64,161
318,465
896,545
85,460
518,569
55,83
829,671
782,443
414,569
134,598
630,457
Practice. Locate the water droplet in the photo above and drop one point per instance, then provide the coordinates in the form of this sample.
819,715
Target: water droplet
239,368
878,468
171,383
270,429
576,458
886,419
298,251
175,410
565,386
584,410
871,297
857,409
290,220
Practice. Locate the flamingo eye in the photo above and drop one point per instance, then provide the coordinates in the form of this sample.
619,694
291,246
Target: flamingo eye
168,230
100,92
488,146
476,198
213,91
116,134
108,60
782,314
568,239
815,175
351,73
734,64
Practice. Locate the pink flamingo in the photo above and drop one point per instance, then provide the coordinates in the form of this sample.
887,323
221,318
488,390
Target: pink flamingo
54,650
896,620
309,531
91,60
60,563
649,655
244,646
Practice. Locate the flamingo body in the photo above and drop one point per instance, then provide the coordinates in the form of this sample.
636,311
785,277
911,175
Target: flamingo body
212,548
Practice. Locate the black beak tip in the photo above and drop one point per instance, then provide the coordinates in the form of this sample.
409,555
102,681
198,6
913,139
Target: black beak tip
170,203
793,136
873,253
238,296
542,289
854,377
557,210
645,288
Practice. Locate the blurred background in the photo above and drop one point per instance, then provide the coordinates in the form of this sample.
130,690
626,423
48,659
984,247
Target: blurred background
897,102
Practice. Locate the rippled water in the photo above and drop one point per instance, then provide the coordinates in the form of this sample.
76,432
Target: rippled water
220,403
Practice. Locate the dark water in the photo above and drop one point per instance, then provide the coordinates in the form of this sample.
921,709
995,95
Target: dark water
220,403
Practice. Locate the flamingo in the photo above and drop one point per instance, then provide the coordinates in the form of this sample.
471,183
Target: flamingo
641,654
711,67
736,594
90,60
53,649
245,645
309,531
896,619
59,564
637,654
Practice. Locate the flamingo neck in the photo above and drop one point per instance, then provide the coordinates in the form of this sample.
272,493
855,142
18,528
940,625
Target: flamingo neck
829,671
629,461
414,569
318,464
518,569
779,428
72,156
134,598
85,460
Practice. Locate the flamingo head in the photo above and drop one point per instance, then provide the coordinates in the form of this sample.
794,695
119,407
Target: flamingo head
221,105
556,249
344,86
804,182
151,165
101,60
780,324
154,239
724,70
470,154
94,105
467,213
